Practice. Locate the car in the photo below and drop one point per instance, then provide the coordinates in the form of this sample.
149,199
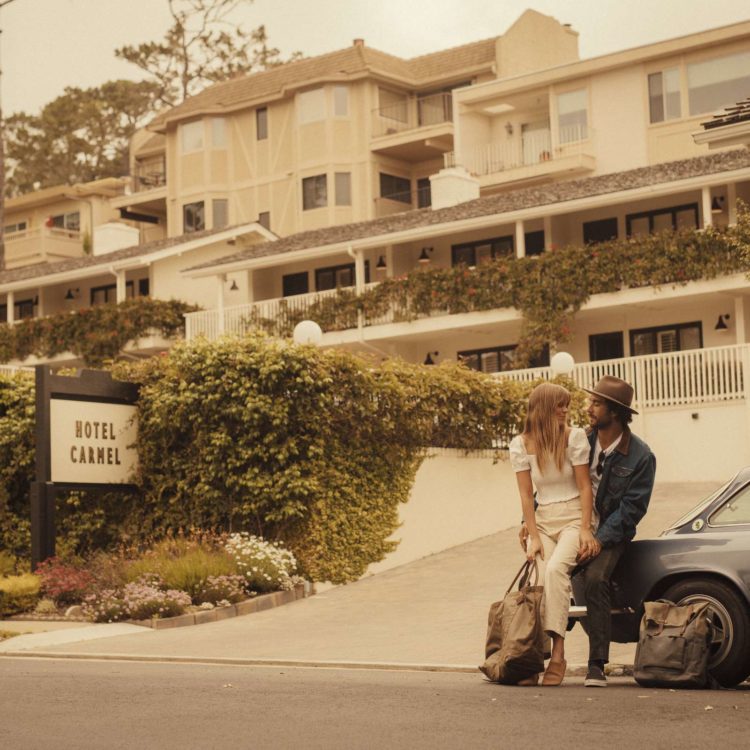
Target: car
703,557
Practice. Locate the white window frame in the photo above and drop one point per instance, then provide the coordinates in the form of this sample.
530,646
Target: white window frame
191,137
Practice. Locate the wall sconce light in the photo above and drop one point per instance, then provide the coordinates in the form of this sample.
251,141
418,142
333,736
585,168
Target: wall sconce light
721,324
381,264
428,360
71,294
717,204
509,128
234,286
424,258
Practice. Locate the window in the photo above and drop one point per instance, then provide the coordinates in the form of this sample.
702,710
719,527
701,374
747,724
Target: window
143,287
393,105
477,253
70,221
734,512
664,95
221,212
534,242
218,132
673,338
264,219
19,226
498,358
311,106
424,192
193,217
606,346
192,136
572,116
343,182
395,188
334,277
341,101
22,310
314,192
101,295
676,217
714,84
599,231
261,124
295,283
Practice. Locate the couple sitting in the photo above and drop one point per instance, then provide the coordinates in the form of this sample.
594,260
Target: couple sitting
592,489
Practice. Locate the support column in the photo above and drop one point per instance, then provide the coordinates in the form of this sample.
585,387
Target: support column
250,289
548,234
739,320
520,240
708,218
732,203
389,261
121,286
10,304
359,272
40,303
222,279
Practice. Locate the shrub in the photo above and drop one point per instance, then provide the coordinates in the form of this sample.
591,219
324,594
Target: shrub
105,605
265,566
46,607
7,563
143,600
18,594
217,589
65,582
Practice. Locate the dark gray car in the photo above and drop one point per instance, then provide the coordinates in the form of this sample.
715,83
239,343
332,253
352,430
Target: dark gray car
705,557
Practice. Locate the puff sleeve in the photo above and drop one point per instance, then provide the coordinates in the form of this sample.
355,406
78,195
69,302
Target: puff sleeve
579,449
519,459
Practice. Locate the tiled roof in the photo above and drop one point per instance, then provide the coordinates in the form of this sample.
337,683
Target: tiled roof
105,259
513,200
358,59
739,112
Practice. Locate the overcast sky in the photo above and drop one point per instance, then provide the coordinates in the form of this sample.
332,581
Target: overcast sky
50,44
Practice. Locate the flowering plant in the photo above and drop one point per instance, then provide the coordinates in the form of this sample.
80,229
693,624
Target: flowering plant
63,581
266,566
222,588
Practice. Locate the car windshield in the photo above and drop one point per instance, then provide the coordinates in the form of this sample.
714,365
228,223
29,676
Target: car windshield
702,505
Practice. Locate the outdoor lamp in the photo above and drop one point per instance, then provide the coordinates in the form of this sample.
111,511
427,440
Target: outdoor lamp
562,363
721,324
307,332
509,128
716,204
234,286
423,257
381,266
428,360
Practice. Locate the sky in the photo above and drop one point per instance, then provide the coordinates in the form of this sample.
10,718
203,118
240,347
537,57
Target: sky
47,45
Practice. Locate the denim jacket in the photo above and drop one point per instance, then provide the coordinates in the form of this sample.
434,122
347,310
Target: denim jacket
625,488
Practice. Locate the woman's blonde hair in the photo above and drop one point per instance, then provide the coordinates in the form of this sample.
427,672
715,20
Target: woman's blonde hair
543,427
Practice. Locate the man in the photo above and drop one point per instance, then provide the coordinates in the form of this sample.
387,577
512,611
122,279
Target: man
622,470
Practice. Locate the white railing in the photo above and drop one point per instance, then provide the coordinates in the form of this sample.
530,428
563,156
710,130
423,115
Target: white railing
14,369
534,147
695,376
411,113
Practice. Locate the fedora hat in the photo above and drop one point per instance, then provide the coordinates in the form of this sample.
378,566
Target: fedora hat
614,389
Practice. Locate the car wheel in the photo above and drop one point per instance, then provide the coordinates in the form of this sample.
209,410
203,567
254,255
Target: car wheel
729,656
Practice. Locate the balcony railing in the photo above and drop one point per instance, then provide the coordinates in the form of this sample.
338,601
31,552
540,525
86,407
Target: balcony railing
35,245
411,113
534,147
695,376
148,175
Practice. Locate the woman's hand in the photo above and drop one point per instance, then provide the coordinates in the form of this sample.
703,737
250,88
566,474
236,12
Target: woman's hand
587,545
534,547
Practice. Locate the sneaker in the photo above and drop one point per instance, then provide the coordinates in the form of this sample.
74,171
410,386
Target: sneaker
595,677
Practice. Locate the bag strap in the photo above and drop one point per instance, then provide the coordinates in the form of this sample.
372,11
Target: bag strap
525,571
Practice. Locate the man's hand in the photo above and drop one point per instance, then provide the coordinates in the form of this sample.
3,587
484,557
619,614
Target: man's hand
594,548
523,535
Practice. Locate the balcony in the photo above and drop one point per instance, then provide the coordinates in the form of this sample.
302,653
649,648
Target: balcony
696,376
40,245
150,175
535,156
414,128
399,202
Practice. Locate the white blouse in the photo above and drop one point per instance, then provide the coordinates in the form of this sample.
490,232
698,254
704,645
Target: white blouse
554,486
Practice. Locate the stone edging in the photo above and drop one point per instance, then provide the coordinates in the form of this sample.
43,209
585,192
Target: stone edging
257,604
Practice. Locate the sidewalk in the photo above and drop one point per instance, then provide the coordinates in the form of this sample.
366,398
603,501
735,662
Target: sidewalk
430,612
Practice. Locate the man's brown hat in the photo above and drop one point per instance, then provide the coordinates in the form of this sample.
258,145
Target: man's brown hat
614,389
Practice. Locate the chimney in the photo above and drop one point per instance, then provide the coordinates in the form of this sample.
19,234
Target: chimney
358,43
451,186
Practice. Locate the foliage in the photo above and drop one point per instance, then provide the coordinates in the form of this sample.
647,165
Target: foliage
265,566
46,607
224,588
63,581
139,600
95,334
7,563
201,47
80,136
18,593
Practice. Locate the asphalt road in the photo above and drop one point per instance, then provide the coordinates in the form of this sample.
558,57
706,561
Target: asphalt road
65,704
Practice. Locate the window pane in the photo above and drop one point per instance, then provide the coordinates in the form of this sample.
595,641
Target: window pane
503,247
192,136
218,132
341,101
314,192
470,360
395,188
193,217
345,277
690,338
312,106
672,93
606,346
343,189
261,124
325,279
490,362
483,254
465,255
686,219
264,219
424,192
572,117
656,97
73,221
599,231
717,83
644,343
393,105
221,212
667,341
736,511
295,283
662,221
639,226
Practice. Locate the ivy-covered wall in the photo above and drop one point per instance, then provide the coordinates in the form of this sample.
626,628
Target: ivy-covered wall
316,448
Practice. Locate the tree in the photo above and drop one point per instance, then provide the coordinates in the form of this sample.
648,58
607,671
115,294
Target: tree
81,135
201,47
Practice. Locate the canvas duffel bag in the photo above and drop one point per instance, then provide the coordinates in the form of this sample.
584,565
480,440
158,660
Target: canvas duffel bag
673,646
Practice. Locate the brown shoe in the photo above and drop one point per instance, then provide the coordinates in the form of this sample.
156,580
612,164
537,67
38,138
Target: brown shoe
554,673
529,681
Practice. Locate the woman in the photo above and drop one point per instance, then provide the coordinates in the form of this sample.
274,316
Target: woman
554,458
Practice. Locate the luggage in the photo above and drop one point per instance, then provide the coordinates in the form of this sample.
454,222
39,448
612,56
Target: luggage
516,642
673,646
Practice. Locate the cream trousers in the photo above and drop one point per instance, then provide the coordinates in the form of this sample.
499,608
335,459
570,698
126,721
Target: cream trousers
559,525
